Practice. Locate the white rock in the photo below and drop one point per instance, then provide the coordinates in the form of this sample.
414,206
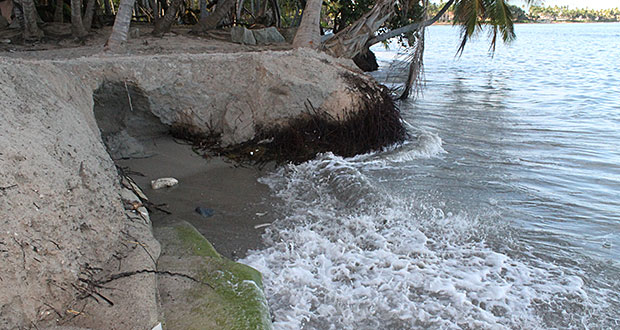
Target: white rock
163,183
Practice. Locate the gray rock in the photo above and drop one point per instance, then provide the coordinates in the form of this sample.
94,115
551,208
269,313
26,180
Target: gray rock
269,35
288,34
241,35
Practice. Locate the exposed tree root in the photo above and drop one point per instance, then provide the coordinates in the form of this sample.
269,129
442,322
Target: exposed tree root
376,125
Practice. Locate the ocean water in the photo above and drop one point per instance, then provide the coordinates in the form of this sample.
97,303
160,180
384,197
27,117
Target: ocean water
501,211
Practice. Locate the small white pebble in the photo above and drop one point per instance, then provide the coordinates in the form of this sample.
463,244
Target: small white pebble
163,182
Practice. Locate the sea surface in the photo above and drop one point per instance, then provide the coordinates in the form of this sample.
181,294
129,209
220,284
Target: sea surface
501,211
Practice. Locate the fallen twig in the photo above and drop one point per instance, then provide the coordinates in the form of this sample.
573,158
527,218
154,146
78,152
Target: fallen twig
150,271
8,187
155,207
128,97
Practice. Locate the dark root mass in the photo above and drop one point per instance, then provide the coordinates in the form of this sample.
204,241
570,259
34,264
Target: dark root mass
376,125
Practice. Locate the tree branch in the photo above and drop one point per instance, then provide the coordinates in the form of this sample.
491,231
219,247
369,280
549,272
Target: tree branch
410,27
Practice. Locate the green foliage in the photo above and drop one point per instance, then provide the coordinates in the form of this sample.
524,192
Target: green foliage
338,14
563,13
472,15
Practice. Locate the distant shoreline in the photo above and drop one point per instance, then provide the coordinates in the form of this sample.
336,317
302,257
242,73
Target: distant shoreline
564,22
545,22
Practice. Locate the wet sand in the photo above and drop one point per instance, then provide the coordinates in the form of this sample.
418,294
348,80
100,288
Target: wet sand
239,201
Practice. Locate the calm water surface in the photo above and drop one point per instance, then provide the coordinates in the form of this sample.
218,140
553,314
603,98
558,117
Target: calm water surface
502,211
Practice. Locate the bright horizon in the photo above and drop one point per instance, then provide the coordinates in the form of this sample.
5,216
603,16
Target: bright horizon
592,4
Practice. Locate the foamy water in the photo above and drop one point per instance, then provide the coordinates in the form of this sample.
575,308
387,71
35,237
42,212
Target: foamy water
347,254
502,211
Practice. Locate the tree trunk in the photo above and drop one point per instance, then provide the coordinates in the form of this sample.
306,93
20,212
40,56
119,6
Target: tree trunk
59,12
210,22
352,40
410,27
308,34
156,11
88,15
109,7
164,24
275,7
262,8
239,10
77,28
18,14
31,29
121,26
203,9
359,36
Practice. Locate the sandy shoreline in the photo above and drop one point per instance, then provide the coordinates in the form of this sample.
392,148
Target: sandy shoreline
239,201
68,222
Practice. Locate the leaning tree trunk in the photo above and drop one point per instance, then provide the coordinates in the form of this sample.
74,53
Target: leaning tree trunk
210,22
411,27
58,11
359,36
164,24
121,26
88,15
308,34
31,29
77,28
352,40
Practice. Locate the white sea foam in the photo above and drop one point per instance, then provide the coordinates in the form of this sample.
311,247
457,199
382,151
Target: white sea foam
423,145
346,254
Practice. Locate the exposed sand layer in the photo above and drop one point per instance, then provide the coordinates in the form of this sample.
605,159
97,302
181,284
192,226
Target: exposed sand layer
238,200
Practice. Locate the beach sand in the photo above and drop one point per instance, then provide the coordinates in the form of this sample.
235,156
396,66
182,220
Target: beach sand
239,201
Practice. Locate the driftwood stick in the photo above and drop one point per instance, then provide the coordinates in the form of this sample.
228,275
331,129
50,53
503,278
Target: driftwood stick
151,271
8,187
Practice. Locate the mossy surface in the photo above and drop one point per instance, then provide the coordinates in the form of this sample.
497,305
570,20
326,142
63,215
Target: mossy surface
233,298
194,242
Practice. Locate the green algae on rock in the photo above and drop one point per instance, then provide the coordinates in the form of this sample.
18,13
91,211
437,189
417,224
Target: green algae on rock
234,298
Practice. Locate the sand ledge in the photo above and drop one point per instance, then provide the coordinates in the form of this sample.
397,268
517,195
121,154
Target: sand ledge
66,228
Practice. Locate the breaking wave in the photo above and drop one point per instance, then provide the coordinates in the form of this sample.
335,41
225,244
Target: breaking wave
347,253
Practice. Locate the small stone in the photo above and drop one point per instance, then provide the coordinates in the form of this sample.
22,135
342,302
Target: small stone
163,183
269,35
241,35
205,212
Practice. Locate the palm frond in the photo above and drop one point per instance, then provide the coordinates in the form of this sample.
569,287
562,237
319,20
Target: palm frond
416,68
500,20
473,15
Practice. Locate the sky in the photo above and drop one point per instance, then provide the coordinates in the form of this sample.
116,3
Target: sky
592,4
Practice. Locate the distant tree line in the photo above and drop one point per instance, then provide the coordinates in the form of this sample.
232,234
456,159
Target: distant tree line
544,14
563,13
